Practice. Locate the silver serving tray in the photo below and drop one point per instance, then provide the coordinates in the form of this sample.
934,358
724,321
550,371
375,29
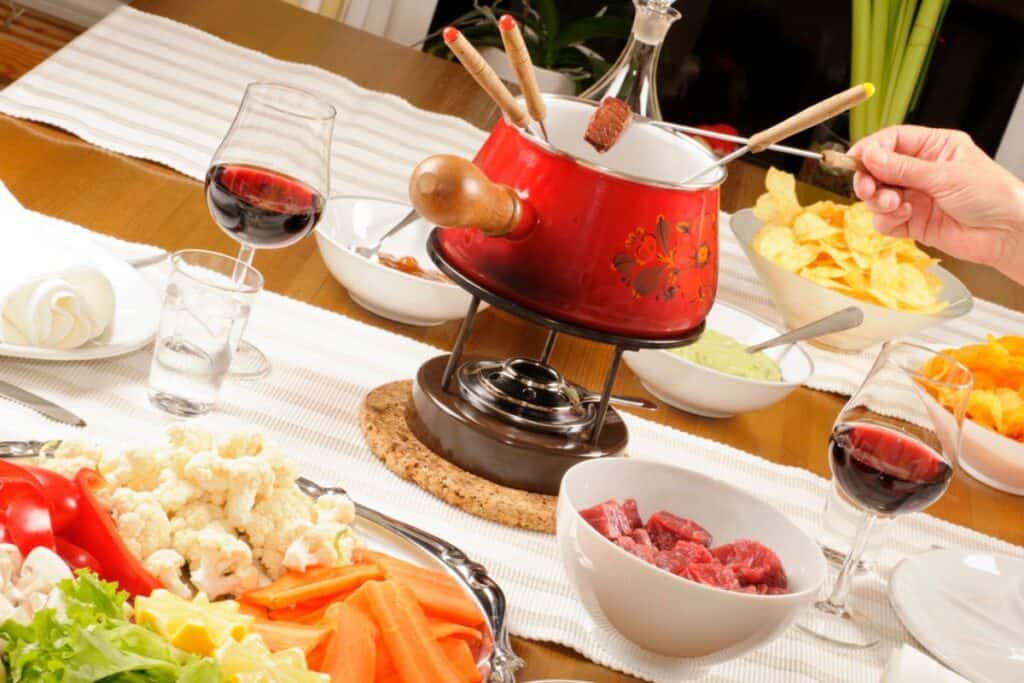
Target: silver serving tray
498,663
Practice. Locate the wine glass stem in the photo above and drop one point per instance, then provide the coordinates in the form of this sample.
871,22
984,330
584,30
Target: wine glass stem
245,255
841,590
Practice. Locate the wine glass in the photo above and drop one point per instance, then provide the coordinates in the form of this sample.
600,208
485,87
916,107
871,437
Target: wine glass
268,179
892,451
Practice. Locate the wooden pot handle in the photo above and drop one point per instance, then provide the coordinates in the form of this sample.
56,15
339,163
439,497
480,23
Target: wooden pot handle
812,116
452,192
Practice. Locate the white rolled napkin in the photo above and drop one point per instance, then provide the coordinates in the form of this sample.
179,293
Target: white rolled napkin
51,294
909,665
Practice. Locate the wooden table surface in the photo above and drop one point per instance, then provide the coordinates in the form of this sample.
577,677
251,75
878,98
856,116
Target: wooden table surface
55,173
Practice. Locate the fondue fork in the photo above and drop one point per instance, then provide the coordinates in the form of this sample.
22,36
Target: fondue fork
829,157
486,77
519,58
811,116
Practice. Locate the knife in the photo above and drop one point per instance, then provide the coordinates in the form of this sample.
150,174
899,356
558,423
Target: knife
39,404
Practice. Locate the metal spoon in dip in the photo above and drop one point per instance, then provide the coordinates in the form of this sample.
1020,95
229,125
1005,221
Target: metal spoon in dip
839,321
371,251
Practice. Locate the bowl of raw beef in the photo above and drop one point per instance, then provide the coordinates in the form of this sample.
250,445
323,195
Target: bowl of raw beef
681,564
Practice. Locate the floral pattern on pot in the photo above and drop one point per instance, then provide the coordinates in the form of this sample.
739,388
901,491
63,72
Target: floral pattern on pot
667,261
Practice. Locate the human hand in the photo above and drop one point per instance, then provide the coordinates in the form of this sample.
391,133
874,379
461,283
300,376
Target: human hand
939,188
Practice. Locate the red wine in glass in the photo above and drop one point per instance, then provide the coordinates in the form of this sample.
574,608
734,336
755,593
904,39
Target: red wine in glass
886,470
260,207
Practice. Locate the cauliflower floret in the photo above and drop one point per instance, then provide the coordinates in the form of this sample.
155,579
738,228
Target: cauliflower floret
174,493
190,438
144,526
276,522
240,445
166,565
42,570
72,456
221,563
334,507
138,469
314,548
235,484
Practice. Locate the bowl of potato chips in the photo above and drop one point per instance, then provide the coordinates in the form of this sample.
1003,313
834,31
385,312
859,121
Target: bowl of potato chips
817,259
993,438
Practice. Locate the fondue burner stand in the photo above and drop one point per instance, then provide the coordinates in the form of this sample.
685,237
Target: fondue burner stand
517,422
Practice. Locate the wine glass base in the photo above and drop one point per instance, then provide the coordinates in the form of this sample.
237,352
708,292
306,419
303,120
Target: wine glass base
249,363
840,626
837,558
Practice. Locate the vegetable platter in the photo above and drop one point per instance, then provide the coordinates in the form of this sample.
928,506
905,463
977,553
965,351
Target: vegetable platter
178,564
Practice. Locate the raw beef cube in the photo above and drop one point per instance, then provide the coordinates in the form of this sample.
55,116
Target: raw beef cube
684,553
752,562
644,552
667,529
711,574
642,537
632,511
609,519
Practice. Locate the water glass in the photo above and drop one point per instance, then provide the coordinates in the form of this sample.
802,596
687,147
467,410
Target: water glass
206,308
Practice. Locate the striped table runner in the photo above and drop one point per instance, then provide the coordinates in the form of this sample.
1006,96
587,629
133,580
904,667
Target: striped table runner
143,86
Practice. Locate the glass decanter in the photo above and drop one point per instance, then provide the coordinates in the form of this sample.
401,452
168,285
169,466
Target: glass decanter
633,77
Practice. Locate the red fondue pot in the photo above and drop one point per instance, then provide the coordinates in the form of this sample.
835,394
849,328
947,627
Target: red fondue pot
607,241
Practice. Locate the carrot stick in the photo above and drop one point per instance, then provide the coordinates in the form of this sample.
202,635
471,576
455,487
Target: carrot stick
315,659
438,594
252,610
351,650
319,583
298,612
281,636
446,629
418,657
461,658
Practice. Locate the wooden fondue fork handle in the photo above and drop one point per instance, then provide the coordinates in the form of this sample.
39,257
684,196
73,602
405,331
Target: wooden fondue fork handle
452,192
812,116
486,77
519,58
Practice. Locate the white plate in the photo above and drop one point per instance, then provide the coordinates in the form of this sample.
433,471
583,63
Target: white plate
136,312
967,609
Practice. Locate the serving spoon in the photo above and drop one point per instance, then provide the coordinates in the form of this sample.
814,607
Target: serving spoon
371,251
846,319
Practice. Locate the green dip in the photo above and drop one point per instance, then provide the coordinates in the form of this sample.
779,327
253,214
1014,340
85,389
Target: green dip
723,353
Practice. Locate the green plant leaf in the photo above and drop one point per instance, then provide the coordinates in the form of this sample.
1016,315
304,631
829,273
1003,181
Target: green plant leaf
548,12
589,28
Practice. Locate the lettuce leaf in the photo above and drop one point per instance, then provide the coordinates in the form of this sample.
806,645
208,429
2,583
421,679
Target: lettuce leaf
91,640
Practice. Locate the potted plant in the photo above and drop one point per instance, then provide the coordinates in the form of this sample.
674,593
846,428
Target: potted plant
558,46
893,41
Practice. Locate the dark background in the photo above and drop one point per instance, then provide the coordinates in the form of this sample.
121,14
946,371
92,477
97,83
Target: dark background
751,63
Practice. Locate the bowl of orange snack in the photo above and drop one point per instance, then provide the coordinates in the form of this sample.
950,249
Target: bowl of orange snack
818,259
993,437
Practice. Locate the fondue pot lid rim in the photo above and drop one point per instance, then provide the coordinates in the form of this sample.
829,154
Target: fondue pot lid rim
539,141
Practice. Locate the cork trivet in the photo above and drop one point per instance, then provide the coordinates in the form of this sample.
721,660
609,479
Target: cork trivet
382,418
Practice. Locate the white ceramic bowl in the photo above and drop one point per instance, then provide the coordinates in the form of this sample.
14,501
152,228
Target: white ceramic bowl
703,391
801,301
661,612
992,458
392,294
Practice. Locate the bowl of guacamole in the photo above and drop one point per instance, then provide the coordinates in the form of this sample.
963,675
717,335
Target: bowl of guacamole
721,352
715,376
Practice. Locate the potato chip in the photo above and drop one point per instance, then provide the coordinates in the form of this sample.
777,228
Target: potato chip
836,246
997,399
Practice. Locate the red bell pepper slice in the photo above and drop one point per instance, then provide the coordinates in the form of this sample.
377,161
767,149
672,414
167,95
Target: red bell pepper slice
23,508
63,496
77,558
95,532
